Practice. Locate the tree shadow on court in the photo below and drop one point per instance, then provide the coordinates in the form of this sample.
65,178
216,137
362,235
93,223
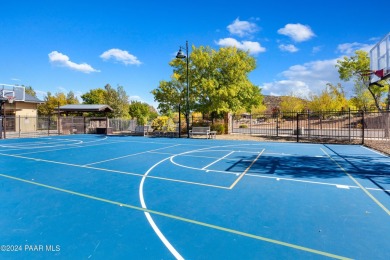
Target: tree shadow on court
359,166
288,166
366,167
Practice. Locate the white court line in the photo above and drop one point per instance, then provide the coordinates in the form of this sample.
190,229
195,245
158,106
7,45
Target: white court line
247,169
148,216
310,182
73,147
199,169
204,168
134,154
374,151
66,145
374,199
115,171
35,145
150,219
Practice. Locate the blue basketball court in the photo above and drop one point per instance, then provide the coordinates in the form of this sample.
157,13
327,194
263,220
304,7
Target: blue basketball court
103,197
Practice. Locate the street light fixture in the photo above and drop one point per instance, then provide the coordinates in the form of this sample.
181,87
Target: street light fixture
181,55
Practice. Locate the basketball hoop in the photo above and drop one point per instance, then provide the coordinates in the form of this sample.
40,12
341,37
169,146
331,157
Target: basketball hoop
11,99
365,76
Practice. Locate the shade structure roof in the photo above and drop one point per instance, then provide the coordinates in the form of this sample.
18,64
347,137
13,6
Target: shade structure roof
85,108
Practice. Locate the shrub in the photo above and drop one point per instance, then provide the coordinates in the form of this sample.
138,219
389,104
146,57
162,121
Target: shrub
243,126
163,123
218,127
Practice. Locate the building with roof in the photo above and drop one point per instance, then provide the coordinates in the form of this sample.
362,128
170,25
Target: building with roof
20,109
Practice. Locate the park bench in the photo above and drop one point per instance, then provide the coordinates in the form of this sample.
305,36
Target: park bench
202,130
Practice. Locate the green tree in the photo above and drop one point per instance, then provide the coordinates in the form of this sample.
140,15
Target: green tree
352,68
170,94
51,103
71,98
122,103
29,90
140,111
117,99
332,98
94,96
219,82
292,103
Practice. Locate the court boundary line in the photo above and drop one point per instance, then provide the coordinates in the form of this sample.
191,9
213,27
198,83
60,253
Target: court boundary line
199,169
116,171
311,182
109,141
246,170
223,157
186,220
372,197
129,155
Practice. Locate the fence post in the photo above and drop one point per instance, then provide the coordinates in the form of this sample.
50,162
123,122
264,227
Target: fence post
363,128
250,123
5,125
48,126
349,124
308,124
297,130
233,118
106,125
59,124
20,130
277,124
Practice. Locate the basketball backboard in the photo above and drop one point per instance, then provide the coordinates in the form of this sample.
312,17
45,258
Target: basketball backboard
18,92
380,60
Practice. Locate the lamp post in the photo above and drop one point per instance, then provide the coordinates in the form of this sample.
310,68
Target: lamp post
180,55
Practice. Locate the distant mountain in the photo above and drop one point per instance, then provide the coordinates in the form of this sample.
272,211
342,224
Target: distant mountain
271,102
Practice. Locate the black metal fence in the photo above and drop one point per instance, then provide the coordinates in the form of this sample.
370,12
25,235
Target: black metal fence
330,126
327,126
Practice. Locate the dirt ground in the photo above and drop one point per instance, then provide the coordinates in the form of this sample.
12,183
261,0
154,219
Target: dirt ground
382,146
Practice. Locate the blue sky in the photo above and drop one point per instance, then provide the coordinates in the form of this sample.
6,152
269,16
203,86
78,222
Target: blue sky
62,46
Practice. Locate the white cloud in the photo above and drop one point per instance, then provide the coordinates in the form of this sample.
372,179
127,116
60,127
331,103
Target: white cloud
286,87
62,60
305,79
242,28
350,48
297,32
316,49
135,98
252,47
121,56
288,48
62,90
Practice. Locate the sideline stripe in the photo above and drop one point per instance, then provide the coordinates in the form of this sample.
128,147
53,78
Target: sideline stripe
217,160
115,171
246,170
273,241
358,184
133,154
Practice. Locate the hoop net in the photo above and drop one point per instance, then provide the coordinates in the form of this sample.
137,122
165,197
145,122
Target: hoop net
365,76
11,99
